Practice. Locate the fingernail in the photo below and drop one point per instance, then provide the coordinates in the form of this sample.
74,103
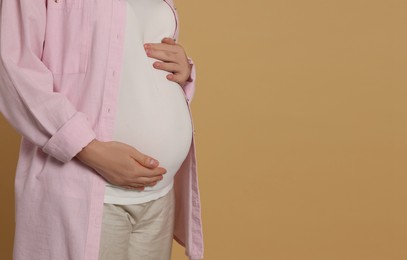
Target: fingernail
146,46
152,162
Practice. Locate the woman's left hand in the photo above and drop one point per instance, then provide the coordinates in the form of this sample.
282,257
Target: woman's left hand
173,59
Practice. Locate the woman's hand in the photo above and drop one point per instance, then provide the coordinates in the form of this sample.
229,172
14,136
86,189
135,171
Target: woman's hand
121,164
173,57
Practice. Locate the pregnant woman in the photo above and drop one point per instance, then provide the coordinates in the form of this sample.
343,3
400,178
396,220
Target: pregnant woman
153,116
100,92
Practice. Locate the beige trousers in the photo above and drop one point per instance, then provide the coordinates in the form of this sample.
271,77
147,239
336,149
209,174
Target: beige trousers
138,232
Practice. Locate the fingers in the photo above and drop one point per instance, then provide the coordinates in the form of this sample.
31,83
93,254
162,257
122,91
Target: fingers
145,167
162,55
168,50
143,159
141,172
170,67
162,47
178,74
145,181
179,78
165,45
141,182
168,40
172,58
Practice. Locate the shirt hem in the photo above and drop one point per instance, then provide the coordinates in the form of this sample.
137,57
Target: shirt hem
130,201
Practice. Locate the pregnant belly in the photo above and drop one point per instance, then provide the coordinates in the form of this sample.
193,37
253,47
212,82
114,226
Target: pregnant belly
154,118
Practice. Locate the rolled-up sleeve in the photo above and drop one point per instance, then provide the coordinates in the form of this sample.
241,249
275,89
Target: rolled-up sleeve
27,100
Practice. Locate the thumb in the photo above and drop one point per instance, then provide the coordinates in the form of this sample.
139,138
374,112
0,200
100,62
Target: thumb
168,40
144,160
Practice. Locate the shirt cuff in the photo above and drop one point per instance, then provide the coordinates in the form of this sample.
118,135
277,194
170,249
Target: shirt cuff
70,139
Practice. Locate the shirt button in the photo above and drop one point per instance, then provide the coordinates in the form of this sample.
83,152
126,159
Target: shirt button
113,73
117,36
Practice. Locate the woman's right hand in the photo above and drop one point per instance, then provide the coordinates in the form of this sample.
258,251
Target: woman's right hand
121,164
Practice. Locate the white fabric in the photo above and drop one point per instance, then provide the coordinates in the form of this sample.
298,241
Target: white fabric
152,113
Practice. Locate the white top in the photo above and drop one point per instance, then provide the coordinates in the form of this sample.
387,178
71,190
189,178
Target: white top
152,113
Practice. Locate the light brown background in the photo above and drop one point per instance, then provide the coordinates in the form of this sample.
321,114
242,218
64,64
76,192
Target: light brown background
301,124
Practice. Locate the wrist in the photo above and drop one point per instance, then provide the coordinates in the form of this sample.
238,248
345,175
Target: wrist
88,153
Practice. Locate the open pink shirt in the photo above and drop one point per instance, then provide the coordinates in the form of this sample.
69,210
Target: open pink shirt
59,77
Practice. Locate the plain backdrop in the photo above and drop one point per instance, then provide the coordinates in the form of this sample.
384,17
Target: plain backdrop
301,128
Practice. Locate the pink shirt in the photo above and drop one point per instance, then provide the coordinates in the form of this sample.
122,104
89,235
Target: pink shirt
59,77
